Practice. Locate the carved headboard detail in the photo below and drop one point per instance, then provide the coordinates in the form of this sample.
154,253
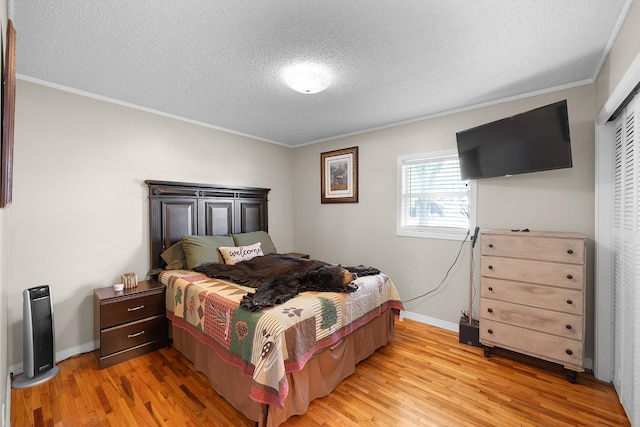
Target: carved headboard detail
182,208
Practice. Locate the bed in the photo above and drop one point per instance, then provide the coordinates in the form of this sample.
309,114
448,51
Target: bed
271,363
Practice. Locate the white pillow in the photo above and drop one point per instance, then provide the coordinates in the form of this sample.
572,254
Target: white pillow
236,254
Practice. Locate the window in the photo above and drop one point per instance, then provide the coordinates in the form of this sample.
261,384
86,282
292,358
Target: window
433,201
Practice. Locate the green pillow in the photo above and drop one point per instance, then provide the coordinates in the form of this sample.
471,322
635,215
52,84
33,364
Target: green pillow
200,250
174,257
246,239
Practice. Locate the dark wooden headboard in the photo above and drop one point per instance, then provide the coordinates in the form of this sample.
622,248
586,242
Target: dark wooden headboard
182,208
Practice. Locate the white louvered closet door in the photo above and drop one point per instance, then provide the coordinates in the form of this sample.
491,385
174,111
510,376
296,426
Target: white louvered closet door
626,245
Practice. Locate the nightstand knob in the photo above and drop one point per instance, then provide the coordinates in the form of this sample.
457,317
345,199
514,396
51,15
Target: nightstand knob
491,267
490,310
490,288
568,326
570,251
490,331
569,276
569,352
490,245
569,301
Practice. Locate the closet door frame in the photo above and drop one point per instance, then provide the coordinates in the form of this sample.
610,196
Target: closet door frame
604,151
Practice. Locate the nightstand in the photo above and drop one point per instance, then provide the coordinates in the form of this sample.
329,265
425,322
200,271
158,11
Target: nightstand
129,323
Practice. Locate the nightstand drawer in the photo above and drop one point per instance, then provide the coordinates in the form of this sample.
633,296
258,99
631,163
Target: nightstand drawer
131,309
133,334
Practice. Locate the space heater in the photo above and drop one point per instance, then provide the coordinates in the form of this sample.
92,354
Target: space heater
38,341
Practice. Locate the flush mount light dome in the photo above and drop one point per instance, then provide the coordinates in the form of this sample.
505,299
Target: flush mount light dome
307,77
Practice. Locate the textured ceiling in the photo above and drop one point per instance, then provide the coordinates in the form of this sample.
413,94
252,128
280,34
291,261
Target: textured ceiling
218,62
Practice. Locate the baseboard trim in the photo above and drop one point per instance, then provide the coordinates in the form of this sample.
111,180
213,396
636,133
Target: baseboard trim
432,321
60,355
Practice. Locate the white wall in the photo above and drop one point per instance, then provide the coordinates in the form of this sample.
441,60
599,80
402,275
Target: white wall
623,51
365,233
79,217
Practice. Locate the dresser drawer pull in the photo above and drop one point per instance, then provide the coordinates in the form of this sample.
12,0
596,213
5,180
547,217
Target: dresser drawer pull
570,251
569,352
490,331
490,245
569,301
490,310
490,288
568,326
569,276
137,334
140,307
491,267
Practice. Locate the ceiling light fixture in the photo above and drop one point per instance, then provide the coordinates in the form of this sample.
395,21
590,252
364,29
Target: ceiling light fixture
307,77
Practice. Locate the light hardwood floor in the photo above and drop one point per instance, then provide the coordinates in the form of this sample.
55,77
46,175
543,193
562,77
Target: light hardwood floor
424,377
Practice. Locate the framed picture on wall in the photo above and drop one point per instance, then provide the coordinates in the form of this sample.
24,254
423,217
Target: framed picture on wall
8,113
339,176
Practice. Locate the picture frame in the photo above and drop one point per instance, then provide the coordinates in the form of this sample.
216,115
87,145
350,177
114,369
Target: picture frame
339,176
8,117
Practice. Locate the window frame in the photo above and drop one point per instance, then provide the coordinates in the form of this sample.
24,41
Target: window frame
429,231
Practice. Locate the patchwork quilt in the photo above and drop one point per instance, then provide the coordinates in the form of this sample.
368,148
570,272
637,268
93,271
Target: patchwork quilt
267,344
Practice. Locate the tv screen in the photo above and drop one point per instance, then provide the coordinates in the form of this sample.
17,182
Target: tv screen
533,141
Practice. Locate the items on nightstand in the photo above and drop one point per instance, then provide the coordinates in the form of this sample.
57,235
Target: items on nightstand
129,280
130,322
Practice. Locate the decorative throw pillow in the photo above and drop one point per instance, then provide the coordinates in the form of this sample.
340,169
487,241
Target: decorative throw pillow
233,255
174,257
245,239
200,250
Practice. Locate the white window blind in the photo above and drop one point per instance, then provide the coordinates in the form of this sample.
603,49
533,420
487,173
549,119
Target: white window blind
432,199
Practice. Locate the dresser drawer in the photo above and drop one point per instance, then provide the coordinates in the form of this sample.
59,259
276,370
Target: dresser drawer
542,296
557,349
133,334
523,270
552,322
131,309
520,245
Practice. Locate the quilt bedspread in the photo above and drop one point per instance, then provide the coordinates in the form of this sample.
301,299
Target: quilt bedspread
267,344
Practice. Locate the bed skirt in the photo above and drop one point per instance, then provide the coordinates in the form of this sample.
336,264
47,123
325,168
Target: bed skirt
320,376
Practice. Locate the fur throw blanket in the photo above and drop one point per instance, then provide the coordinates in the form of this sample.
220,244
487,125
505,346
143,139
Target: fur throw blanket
278,278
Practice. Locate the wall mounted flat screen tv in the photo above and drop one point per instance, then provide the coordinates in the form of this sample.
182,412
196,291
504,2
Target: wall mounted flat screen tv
533,141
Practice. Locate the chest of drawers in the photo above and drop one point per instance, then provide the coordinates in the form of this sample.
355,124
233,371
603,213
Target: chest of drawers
129,323
532,295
